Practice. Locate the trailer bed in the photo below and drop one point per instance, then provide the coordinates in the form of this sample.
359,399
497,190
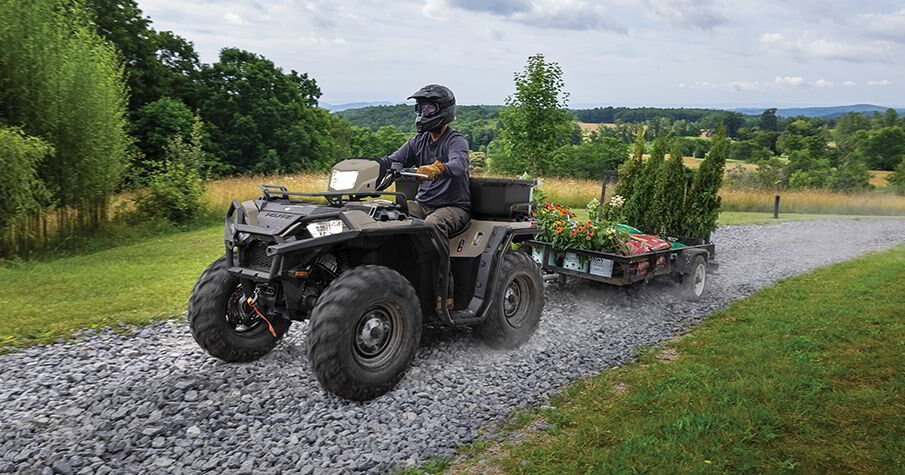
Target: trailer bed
616,269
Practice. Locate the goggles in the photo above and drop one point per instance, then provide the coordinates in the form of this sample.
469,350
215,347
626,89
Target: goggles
426,109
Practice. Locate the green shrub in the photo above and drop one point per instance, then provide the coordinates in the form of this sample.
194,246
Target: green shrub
24,195
587,160
175,189
850,175
667,208
703,203
897,179
748,151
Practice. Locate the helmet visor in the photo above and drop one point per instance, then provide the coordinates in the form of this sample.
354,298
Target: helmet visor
426,109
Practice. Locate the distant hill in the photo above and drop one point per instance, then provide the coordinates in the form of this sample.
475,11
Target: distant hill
402,116
352,105
827,112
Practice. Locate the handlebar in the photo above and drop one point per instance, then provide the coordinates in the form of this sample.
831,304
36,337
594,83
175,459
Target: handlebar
395,171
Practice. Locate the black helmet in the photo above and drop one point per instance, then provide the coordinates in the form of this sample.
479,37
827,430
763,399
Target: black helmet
435,105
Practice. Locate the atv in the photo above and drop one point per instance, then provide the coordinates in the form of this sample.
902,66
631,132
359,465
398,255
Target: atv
367,275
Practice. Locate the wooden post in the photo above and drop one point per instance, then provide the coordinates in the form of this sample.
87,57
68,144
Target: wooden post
608,175
776,206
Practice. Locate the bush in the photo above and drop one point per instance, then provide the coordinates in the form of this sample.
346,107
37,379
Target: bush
703,203
897,179
668,200
175,188
24,195
851,175
587,160
748,151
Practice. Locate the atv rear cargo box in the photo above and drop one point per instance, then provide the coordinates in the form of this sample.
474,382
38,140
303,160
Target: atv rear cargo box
490,197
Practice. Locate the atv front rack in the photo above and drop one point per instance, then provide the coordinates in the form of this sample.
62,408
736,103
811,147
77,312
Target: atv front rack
333,198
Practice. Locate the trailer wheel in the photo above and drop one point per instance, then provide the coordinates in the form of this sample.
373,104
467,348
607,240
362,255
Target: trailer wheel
518,302
364,332
694,283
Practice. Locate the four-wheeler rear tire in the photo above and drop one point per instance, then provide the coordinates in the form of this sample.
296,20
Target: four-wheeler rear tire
694,283
518,303
364,332
222,322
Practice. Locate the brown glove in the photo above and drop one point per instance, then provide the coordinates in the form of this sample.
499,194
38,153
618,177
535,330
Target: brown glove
432,171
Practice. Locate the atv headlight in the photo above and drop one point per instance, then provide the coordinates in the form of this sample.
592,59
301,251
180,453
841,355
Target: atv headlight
325,228
343,180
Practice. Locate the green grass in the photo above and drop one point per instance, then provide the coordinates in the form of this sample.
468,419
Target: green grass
730,218
133,284
805,376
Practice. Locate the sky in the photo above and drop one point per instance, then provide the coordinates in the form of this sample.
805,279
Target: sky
711,53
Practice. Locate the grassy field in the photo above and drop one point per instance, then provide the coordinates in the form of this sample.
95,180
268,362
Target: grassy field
576,193
804,376
133,284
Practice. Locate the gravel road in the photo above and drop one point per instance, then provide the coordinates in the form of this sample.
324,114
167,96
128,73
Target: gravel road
153,402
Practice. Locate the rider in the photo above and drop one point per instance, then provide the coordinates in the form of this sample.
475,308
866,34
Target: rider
440,153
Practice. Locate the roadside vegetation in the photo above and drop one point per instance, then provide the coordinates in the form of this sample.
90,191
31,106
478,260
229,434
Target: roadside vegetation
802,376
142,125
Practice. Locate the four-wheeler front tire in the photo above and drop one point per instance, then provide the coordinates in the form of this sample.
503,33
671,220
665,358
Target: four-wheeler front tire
518,302
694,283
364,332
222,322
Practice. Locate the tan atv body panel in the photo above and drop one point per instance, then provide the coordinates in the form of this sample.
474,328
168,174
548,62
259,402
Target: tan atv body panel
473,241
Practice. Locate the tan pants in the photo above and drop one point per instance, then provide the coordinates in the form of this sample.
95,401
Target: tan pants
448,219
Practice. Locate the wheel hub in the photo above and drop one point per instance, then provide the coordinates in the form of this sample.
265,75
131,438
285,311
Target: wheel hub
239,314
515,299
700,278
511,299
373,333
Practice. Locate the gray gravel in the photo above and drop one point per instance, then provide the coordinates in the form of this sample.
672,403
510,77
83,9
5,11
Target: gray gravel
153,402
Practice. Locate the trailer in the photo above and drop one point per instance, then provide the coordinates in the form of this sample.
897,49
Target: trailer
689,265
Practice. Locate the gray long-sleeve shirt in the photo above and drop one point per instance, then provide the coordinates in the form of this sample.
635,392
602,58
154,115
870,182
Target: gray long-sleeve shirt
451,149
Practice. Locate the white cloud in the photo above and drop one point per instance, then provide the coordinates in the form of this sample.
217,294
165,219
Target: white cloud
700,14
881,82
780,82
826,49
233,19
793,81
885,25
849,83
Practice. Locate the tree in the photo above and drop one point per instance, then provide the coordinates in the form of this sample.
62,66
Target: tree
667,209
643,194
262,119
850,175
587,160
630,173
897,179
25,198
157,64
880,149
768,121
703,203
847,126
535,121
155,124
175,188
748,151
62,82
